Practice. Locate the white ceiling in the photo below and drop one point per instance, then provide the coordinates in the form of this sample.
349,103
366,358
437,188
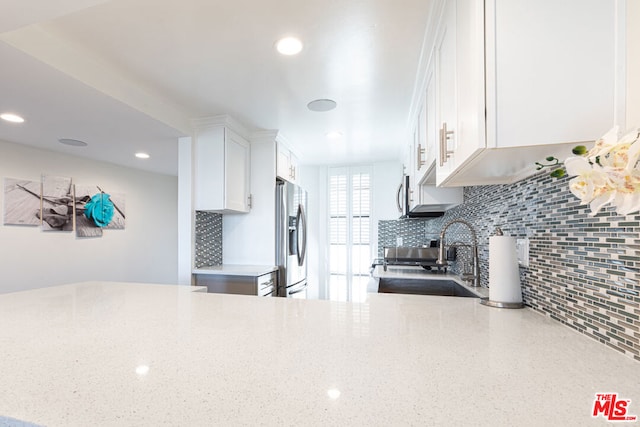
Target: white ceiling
129,74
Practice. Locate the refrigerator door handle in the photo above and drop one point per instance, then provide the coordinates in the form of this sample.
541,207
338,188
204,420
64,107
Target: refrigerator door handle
301,226
281,229
297,291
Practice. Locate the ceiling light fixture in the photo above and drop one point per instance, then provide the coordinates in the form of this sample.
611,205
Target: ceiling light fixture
72,142
322,105
10,117
289,46
334,135
142,155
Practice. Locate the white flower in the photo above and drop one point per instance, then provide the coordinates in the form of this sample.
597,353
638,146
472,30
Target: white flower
604,144
634,149
608,173
591,181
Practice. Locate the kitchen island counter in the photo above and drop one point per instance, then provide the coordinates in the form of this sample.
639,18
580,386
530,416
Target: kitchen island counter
236,270
105,353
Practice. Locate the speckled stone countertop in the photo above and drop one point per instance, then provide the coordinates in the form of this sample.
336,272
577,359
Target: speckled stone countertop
236,270
124,354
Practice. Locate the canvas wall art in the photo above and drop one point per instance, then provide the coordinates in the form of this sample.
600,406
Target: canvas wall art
97,209
21,202
118,220
57,203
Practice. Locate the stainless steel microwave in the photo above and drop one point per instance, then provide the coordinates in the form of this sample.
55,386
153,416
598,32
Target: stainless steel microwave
404,200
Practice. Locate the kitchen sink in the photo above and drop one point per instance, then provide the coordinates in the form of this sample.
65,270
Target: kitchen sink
424,287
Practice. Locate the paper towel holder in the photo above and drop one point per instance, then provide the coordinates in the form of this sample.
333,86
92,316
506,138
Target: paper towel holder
500,304
497,304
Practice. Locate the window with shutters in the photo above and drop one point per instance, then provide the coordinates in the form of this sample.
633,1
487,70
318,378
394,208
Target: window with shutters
349,232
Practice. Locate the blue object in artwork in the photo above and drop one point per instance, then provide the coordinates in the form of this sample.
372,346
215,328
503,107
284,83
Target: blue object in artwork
99,209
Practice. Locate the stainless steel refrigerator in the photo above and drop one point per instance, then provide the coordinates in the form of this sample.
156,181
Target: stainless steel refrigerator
291,239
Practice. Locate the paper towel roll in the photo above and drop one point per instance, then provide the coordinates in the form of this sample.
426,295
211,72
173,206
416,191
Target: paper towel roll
504,274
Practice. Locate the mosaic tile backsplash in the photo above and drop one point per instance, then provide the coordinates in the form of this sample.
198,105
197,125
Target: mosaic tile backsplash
584,271
411,231
208,245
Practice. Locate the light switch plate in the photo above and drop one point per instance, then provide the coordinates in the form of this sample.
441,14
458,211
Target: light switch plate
523,251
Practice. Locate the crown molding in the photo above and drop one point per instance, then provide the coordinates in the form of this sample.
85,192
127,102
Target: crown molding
222,120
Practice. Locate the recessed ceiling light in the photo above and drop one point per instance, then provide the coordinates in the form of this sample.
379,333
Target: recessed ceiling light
10,117
72,142
142,155
289,46
322,105
334,135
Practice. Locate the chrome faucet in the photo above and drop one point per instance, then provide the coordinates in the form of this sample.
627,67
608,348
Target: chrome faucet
475,278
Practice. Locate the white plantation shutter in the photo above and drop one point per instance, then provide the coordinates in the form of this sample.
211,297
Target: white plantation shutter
338,209
349,220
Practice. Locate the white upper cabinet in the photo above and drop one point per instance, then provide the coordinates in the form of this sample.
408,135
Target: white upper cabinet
519,80
287,164
424,195
222,170
428,117
446,102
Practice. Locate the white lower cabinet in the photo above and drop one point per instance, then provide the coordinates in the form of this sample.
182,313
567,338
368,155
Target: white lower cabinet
222,170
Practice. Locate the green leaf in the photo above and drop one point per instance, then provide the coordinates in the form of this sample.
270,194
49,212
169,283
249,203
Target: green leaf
550,159
579,150
558,173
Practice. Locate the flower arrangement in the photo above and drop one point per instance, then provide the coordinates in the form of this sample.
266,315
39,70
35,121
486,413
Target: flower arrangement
608,173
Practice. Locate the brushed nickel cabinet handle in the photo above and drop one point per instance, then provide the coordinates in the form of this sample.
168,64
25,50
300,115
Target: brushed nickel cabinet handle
445,135
442,145
419,156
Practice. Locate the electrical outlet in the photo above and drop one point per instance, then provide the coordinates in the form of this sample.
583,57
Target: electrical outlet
522,246
398,241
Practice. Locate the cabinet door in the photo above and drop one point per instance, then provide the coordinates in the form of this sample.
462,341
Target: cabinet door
470,81
412,170
237,161
554,72
283,165
420,142
430,125
460,86
293,167
445,62
287,165
209,169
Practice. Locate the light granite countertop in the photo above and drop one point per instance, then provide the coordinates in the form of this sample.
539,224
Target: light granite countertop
236,270
124,354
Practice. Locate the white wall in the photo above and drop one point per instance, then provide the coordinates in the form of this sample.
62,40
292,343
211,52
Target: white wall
145,251
387,176
186,216
250,238
633,64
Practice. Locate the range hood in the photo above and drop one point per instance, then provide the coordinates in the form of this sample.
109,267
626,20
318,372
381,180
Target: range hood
424,213
434,201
